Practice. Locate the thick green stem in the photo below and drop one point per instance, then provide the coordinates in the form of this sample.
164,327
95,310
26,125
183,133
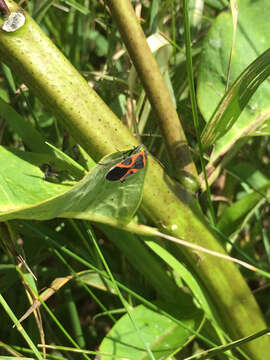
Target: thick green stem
30,54
155,88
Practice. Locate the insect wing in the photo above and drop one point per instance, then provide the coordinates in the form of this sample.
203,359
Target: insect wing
140,160
116,173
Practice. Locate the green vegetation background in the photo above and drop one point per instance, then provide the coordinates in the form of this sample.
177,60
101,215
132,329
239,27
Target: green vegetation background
79,82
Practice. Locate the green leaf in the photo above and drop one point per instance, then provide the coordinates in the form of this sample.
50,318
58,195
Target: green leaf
71,165
181,271
41,9
237,214
14,358
77,6
145,263
218,4
249,174
93,279
262,130
162,335
226,123
30,136
26,195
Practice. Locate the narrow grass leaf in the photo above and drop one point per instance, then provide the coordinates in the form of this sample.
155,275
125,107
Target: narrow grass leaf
41,9
20,328
77,6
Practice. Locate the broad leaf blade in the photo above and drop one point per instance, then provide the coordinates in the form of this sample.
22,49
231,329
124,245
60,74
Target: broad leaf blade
26,195
252,40
235,100
162,335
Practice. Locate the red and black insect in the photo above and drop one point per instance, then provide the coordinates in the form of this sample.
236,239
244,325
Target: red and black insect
129,166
